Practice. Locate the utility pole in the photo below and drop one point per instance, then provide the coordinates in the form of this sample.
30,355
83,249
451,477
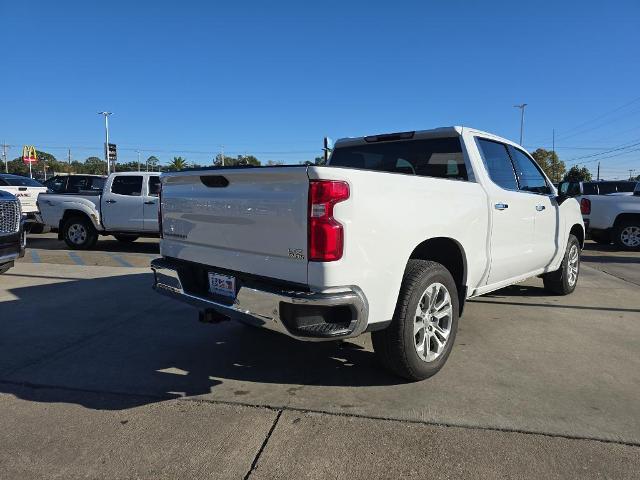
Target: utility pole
222,154
598,176
138,152
106,140
69,158
522,106
631,170
4,156
553,153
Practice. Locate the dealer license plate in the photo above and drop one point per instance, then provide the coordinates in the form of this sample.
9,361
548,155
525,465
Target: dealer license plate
222,284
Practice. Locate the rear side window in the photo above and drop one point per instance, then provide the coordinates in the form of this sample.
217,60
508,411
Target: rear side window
590,188
77,184
529,175
431,157
127,185
498,163
154,186
97,183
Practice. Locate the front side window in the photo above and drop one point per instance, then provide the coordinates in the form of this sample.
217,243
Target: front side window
127,185
498,163
429,157
154,186
529,175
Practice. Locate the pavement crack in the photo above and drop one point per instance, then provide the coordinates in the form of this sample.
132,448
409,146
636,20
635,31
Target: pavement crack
254,464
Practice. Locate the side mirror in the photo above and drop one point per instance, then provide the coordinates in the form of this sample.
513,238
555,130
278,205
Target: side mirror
327,148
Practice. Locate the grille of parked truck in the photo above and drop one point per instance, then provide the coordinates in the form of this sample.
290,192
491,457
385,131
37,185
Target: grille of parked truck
392,236
12,237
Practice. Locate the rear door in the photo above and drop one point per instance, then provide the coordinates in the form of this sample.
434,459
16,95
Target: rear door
512,216
246,219
122,204
150,205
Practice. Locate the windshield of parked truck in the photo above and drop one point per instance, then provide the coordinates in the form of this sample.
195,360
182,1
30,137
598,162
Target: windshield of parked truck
430,157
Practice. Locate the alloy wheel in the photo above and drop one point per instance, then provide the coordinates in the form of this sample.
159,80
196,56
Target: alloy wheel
432,322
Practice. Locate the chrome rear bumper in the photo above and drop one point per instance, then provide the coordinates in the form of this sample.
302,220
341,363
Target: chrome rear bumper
268,306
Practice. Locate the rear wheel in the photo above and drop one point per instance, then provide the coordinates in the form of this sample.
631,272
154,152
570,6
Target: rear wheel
626,235
419,339
126,238
5,267
564,280
79,233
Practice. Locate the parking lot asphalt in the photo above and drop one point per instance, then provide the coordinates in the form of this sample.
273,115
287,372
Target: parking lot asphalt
102,378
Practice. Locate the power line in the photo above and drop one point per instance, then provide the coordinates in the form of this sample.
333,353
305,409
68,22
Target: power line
599,117
621,147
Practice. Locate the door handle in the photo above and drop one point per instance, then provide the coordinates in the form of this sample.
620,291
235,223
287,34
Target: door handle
109,201
501,206
150,202
540,208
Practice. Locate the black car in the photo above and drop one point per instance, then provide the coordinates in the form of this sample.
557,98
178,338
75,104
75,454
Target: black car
12,235
75,183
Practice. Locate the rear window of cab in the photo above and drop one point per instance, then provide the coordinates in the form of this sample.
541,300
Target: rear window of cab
430,157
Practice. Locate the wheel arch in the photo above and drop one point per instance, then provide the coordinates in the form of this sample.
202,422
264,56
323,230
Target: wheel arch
577,230
622,217
449,253
72,212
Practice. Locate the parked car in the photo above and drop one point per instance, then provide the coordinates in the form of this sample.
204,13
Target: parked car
604,187
12,235
613,218
391,237
126,208
26,190
75,183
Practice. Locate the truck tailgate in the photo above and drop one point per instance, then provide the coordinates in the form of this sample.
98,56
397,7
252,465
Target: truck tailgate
250,220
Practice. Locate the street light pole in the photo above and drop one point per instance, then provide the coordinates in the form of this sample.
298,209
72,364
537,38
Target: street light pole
138,151
522,106
106,140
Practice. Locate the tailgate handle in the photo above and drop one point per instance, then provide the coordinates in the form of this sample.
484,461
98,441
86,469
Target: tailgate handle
22,189
214,181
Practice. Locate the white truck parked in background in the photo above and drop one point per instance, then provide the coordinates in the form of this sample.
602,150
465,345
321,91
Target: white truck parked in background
613,218
391,237
127,208
26,190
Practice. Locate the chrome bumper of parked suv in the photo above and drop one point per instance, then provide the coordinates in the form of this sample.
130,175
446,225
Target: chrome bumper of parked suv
275,308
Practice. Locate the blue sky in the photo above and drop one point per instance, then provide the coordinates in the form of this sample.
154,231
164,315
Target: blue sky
272,78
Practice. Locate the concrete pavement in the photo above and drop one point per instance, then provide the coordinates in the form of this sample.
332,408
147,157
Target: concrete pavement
539,381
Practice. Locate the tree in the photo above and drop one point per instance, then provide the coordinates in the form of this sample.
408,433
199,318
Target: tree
272,163
578,174
45,160
95,166
551,165
178,163
152,163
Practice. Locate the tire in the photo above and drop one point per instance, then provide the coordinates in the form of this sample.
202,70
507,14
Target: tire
626,235
79,233
564,280
126,238
5,267
36,228
397,346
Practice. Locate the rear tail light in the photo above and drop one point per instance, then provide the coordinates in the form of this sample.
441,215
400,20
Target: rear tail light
326,237
160,210
585,206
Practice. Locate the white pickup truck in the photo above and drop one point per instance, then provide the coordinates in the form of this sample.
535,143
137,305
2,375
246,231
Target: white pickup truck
391,237
127,208
613,218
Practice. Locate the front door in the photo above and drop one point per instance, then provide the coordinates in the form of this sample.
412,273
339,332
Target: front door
536,188
122,204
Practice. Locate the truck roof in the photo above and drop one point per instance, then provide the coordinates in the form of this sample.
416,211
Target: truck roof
433,132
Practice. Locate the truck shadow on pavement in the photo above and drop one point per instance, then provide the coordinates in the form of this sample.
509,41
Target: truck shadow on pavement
105,244
112,343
